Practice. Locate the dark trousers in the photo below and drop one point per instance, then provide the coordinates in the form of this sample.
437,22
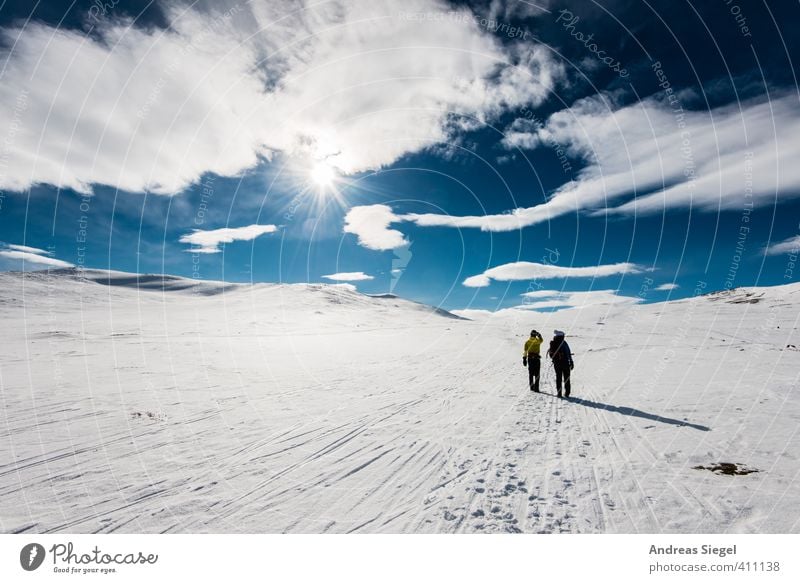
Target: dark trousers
534,368
562,372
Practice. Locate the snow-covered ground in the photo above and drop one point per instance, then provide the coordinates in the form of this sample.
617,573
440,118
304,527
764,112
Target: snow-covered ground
163,405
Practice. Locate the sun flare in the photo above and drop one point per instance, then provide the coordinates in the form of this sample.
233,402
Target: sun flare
323,174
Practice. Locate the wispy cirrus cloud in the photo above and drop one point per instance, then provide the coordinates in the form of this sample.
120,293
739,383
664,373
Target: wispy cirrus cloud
555,300
209,241
526,270
551,299
349,276
359,83
645,157
666,287
372,224
787,246
22,256
27,249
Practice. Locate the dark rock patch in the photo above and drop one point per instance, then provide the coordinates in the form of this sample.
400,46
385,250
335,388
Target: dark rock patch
727,468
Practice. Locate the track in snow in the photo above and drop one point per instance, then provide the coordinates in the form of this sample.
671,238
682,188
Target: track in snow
327,411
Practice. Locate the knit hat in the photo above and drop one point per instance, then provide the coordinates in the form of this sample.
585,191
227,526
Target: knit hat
558,333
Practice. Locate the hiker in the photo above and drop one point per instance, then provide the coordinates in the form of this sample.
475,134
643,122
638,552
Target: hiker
561,355
532,359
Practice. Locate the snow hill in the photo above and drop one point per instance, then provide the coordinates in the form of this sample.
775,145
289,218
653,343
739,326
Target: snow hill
160,404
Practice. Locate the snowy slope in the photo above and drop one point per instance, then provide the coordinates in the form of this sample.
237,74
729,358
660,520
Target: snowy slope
152,404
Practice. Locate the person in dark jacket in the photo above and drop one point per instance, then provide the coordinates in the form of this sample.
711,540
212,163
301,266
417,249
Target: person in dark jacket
561,355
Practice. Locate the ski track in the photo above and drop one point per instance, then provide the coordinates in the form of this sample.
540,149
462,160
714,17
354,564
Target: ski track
421,426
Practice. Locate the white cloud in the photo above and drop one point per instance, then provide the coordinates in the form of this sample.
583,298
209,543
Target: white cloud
349,276
523,133
33,257
526,270
720,159
787,246
541,293
549,300
359,83
481,280
577,299
209,241
27,249
667,287
371,225
502,222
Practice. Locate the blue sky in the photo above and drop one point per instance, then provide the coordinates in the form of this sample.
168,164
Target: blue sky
460,154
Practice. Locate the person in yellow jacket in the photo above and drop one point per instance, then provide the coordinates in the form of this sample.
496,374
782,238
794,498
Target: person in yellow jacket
532,359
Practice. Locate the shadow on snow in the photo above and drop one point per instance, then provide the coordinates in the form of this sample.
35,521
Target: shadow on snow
630,411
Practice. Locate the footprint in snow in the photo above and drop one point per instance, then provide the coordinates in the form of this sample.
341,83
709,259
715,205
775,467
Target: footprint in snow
449,515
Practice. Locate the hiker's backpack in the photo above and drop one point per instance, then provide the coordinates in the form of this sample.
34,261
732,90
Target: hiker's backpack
557,351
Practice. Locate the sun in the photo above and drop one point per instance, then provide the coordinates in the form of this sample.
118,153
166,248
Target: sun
323,175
